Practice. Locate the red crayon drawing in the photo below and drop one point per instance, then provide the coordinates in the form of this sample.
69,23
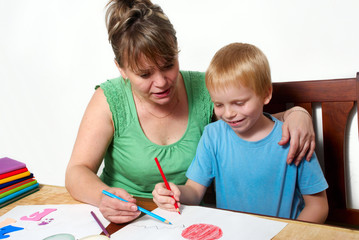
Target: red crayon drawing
202,232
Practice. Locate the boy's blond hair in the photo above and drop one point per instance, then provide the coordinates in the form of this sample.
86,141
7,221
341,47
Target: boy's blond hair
237,65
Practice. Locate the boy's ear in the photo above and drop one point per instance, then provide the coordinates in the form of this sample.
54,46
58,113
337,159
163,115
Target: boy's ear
268,96
122,72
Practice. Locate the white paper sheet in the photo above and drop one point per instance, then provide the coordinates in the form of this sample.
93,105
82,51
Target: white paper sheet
233,225
74,219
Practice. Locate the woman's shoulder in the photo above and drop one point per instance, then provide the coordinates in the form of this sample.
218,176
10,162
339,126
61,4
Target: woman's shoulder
195,82
110,83
119,99
198,96
115,88
193,76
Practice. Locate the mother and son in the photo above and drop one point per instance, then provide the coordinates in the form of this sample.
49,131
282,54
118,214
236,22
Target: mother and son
201,126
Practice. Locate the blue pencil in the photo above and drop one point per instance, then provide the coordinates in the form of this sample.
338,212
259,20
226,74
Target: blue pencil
139,208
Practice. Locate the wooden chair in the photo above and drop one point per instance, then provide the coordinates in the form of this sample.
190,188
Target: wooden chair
337,99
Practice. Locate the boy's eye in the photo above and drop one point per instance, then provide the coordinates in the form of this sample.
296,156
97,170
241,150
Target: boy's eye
240,103
218,105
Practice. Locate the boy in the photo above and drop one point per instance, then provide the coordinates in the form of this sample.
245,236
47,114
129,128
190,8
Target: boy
240,150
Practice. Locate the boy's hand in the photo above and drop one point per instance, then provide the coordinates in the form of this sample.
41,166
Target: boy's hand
163,197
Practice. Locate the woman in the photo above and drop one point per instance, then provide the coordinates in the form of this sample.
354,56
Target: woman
152,110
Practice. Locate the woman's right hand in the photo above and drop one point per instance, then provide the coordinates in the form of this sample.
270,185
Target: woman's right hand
165,198
118,211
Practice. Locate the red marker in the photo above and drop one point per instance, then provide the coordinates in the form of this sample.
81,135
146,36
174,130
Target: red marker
166,183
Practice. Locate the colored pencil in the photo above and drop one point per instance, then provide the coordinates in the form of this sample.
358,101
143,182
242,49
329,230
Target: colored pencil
138,207
166,183
100,224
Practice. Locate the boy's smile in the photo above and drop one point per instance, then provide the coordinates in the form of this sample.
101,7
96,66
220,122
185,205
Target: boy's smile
235,123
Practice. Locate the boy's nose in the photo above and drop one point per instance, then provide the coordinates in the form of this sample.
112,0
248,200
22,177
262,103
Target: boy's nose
229,112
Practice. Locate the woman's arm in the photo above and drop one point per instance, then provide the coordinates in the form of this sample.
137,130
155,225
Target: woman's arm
316,208
81,180
298,128
94,135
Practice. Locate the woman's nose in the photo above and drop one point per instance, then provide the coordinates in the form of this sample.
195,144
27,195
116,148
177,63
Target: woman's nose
160,79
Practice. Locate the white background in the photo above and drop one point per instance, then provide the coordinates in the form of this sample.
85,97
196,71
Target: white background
54,52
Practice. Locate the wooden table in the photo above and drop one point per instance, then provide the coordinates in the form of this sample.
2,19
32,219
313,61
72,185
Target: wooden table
294,230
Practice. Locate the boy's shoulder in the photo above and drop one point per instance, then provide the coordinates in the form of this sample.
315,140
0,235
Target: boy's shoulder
217,125
271,117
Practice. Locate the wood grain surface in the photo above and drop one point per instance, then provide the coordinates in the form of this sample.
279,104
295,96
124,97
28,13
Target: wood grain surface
294,230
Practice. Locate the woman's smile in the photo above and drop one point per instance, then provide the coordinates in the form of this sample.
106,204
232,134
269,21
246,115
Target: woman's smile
163,94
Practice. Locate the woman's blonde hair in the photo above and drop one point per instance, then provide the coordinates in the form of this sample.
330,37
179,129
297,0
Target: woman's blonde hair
139,29
239,64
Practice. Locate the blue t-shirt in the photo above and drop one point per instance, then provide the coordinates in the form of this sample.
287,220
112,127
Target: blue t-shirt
254,176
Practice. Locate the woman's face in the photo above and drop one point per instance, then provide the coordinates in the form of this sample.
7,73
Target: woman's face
153,83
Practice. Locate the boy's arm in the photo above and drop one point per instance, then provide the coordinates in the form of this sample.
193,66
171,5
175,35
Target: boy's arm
316,208
192,192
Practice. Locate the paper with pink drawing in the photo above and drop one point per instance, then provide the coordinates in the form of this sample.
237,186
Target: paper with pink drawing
41,221
201,223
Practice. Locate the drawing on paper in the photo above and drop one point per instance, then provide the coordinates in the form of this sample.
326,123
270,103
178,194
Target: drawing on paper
202,232
8,229
143,226
6,222
46,221
37,216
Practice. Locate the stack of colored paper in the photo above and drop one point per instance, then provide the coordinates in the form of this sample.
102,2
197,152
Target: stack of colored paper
15,181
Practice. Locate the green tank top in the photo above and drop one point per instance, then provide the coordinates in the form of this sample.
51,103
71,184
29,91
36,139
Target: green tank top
129,160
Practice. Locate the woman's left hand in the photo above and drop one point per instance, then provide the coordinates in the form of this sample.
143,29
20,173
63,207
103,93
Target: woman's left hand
298,128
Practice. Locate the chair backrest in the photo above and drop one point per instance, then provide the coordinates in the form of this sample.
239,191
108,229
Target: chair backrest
337,99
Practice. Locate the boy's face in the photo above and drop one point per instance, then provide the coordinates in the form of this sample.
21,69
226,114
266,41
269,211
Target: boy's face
240,108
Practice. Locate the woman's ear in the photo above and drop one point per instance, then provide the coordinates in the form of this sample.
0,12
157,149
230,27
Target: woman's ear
268,96
122,72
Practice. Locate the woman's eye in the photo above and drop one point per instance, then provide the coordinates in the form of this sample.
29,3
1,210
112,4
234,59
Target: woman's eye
145,75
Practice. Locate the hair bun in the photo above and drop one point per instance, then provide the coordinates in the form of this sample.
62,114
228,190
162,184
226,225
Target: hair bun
129,3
